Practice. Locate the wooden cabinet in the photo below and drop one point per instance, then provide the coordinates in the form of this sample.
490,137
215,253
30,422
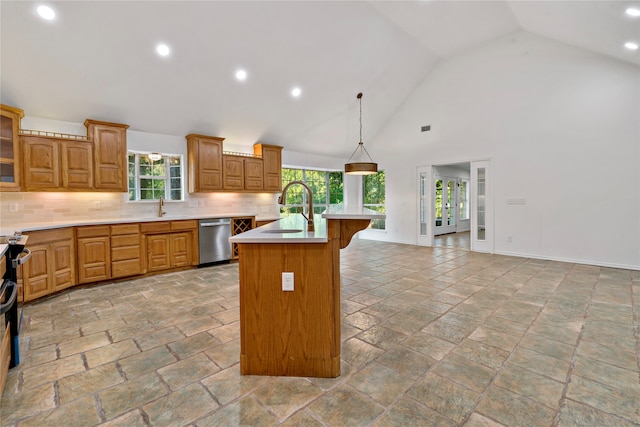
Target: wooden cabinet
159,254
205,163
233,173
110,155
77,165
272,161
41,163
210,169
253,174
56,164
9,148
170,244
94,253
52,264
125,250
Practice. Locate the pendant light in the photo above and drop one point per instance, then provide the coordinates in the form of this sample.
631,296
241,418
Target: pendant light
361,166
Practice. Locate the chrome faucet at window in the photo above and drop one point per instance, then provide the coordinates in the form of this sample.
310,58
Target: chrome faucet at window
283,201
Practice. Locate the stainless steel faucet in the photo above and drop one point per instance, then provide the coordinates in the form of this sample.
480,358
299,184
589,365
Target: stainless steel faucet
283,201
160,205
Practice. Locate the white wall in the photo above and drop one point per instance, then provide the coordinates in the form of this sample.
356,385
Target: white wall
562,129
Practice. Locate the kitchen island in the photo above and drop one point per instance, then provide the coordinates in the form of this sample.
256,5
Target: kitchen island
290,293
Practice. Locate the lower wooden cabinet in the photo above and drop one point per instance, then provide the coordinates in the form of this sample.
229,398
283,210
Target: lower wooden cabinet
170,250
125,250
94,253
52,264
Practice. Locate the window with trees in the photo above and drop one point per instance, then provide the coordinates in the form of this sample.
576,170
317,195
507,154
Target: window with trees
373,194
327,188
152,176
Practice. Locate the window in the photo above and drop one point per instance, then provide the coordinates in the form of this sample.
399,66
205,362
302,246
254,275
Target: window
373,193
326,186
151,179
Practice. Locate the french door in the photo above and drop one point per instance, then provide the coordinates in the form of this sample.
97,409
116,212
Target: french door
445,204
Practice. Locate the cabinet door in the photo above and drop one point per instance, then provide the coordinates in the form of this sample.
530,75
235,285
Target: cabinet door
77,165
253,174
41,163
180,249
63,271
233,173
10,148
94,259
35,273
205,163
272,161
158,252
109,156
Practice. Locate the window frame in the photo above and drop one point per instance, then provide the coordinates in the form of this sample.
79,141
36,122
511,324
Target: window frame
167,196
376,224
318,208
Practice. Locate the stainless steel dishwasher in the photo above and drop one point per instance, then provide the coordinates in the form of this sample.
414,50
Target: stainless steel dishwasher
213,239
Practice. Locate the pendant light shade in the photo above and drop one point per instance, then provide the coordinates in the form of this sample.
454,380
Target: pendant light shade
360,162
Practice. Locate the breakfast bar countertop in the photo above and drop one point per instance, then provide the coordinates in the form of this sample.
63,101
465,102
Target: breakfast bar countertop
293,228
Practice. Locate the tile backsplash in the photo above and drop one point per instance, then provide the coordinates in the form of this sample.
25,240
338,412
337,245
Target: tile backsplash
22,209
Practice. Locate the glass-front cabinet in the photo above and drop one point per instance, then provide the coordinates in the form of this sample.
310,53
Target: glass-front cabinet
9,148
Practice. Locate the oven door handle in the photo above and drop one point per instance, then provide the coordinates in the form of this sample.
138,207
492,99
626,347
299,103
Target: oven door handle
14,293
19,260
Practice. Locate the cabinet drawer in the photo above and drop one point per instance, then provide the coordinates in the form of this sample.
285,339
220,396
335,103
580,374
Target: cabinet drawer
125,252
155,227
125,240
117,230
130,267
92,231
184,225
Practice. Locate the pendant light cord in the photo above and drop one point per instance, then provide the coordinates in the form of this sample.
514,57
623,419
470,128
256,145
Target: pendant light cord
360,99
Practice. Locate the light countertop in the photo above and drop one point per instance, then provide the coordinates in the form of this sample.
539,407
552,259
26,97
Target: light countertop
98,221
293,229
273,232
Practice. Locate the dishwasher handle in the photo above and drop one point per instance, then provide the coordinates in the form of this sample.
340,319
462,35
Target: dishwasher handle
214,224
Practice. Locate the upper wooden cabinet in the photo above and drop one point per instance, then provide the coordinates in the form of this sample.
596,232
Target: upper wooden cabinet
110,155
253,174
272,161
9,148
210,169
233,173
52,164
205,163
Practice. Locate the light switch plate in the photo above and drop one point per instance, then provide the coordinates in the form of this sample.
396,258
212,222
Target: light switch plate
287,282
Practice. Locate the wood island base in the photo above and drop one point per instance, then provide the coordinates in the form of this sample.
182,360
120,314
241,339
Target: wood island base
293,333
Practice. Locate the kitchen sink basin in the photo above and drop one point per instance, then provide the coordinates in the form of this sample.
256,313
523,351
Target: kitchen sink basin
283,230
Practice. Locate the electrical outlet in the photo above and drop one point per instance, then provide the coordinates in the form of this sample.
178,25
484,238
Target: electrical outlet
13,207
287,282
97,204
509,239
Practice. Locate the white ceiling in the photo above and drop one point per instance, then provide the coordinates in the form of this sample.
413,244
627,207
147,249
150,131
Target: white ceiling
97,60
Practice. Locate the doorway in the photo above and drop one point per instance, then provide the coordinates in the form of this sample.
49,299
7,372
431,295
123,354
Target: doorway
455,206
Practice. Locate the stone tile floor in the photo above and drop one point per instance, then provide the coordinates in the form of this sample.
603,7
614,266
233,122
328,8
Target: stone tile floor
431,336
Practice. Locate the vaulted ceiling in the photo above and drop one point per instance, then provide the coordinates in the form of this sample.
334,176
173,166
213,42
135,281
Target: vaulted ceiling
97,60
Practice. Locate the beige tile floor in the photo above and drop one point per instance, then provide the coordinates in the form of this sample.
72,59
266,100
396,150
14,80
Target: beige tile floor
431,336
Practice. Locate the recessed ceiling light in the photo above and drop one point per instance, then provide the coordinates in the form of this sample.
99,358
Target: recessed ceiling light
163,50
46,12
631,45
296,92
241,74
633,11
